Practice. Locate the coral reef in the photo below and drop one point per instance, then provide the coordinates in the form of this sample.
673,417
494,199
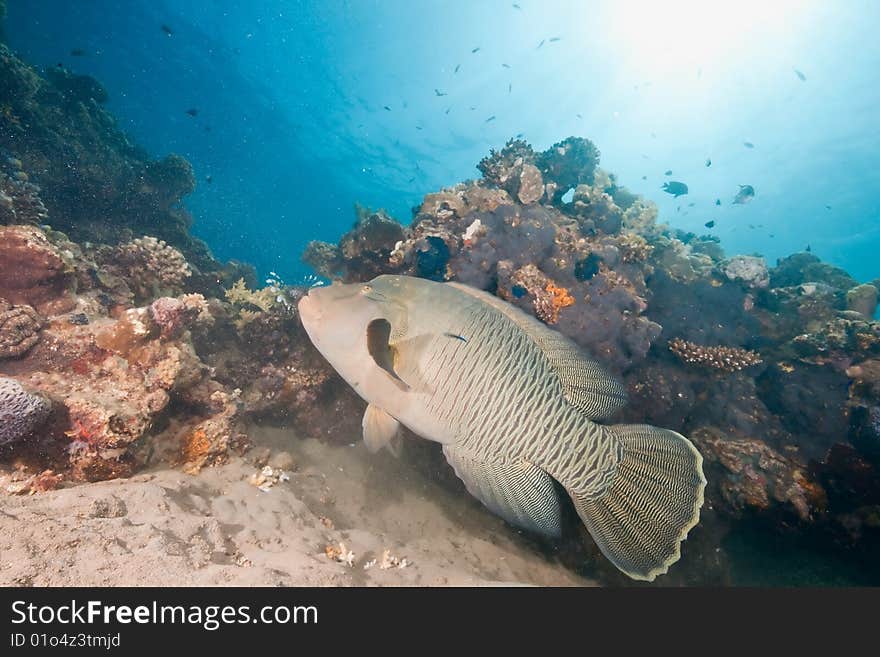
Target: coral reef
772,371
725,359
124,342
20,411
751,476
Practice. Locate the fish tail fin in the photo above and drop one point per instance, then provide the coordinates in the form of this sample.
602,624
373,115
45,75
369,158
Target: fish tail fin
651,504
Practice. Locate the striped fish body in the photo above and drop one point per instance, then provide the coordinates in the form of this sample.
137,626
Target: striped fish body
486,388
518,408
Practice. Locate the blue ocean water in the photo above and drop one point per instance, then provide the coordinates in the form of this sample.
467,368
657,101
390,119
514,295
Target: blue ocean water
305,107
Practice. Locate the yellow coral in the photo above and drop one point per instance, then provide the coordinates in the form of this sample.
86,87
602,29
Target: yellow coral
263,299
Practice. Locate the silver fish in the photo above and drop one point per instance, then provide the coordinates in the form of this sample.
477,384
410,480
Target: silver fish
516,407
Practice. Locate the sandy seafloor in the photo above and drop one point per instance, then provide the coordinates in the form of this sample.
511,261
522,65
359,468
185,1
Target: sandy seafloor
162,527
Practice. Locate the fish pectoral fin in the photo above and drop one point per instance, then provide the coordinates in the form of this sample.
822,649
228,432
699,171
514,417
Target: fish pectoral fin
380,349
380,430
518,491
407,353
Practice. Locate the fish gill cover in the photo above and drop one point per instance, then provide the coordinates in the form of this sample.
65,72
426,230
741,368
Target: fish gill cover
126,181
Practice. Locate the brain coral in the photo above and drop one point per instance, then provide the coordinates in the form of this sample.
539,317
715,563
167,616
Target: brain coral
20,411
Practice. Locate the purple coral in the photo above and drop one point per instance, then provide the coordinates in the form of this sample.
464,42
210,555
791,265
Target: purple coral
20,411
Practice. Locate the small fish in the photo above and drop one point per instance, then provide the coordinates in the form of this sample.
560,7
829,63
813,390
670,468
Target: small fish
491,118
745,194
509,87
209,179
668,172
437,92
516,6
675,188
457,67
827,207
717,201
532,434
808,249
387,108
690,205
418,127
580,116
447,110
800,75
771,235
519,135
472,108
167,30
541,44
411,179
748,144
708,162
506,65
710,224
475,50
644,177
78,52
192,111
554,39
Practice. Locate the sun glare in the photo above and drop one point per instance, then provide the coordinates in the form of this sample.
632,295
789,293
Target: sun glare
676,35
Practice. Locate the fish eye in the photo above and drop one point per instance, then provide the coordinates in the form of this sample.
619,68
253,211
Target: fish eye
366,288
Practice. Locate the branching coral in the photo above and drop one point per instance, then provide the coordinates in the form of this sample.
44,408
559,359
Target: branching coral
500,167
264,299
726,359
19,329
20,411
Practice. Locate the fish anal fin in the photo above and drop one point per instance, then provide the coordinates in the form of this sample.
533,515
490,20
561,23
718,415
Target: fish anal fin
380,430
518,491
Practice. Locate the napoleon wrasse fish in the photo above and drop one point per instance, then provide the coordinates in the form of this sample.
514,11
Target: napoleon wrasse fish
517,408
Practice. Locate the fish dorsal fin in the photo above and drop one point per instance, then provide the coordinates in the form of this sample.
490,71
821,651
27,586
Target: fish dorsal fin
519,492
380,349
585,383
380,430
